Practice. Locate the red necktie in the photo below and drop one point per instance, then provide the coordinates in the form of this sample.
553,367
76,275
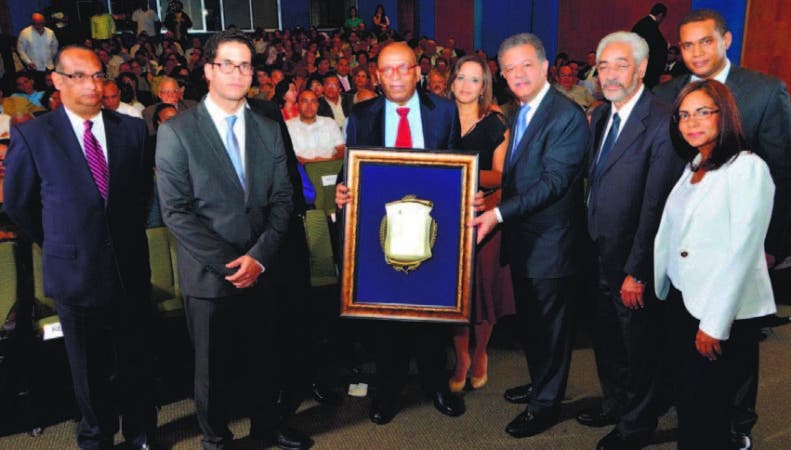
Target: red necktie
404,136
96,161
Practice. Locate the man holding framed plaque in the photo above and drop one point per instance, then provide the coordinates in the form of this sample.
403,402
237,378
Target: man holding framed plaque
405,118
542,215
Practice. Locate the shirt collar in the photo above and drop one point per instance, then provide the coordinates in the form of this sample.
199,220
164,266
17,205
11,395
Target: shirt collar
218,115
533,104
627,108
721,76
78,122
413,103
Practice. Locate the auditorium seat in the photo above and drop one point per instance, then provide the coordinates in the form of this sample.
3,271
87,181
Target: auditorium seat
322,175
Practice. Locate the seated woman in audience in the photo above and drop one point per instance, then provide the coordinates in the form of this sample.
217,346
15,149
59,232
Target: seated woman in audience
709,261
286,98
362,85
353,21
483,130
381,21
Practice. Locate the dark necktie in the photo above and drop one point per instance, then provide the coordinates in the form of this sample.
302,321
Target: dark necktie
404,135
96,161
609,143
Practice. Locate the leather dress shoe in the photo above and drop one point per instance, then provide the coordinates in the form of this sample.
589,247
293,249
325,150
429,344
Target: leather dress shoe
529,423
449,403
325,396
616,441
519,394
383,409
741,441
595,417
285,438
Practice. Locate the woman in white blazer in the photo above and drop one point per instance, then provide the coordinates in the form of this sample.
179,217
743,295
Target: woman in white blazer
709,261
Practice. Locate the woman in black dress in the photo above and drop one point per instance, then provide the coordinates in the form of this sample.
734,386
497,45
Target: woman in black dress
484,131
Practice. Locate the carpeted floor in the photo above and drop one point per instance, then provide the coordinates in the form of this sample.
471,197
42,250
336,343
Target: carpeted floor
419,426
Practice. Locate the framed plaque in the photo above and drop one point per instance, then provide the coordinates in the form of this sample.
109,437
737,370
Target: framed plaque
407,249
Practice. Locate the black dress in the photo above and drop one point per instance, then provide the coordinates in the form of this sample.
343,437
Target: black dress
494,295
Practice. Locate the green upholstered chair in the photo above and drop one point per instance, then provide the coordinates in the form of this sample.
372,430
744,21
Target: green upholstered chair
322,264
321,176
165,291
9,288
43,306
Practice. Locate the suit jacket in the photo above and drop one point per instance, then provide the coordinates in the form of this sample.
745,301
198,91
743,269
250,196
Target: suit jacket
765,111
148,113
648,28
91,249
440,118
627,198
326,111
542,191
214,220
722,269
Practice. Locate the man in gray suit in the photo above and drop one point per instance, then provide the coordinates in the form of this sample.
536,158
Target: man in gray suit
226,196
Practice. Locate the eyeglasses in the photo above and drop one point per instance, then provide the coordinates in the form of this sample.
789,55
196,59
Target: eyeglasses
616,68
402,69
700,114
80,77
227,67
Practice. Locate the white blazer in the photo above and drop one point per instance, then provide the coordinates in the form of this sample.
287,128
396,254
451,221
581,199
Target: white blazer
722,267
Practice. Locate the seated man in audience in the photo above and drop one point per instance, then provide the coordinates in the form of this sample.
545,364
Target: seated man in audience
332,104
170,92
315,138
111,99
567,85
25,88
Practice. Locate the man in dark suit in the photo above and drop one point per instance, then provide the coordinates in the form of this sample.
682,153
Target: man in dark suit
648,29
433,123
632,168
333,104
76,183
541,212
766,120
225,194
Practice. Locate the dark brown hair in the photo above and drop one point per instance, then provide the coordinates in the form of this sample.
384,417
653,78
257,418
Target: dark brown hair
699,15
485,99
730,138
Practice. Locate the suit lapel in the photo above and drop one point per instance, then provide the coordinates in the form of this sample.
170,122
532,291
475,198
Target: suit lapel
69,143
215,145
114,137
375,134
598,136
254,148
705,185
630,130
430,140
536,124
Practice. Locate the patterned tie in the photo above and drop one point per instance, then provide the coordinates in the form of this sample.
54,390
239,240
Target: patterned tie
96,161
519,130
609,143
404,136
232,147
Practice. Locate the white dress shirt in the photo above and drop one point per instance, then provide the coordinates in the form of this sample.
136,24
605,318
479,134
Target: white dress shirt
314,140
40,49
129,110
413,117
78,124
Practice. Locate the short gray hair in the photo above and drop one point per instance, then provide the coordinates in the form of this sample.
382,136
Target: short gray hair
522,39
638,44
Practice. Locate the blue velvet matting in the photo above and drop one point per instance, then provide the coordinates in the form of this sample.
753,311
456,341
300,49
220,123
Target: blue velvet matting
434,283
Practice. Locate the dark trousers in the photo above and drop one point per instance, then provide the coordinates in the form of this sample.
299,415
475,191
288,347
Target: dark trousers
543,312
705,389
397,341
626,360
109,353
233,342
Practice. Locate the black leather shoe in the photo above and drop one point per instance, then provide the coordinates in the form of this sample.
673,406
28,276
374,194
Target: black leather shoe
616,441
595,417
383,409
285,438
741,441
519,394
448,403
529,424
325,396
